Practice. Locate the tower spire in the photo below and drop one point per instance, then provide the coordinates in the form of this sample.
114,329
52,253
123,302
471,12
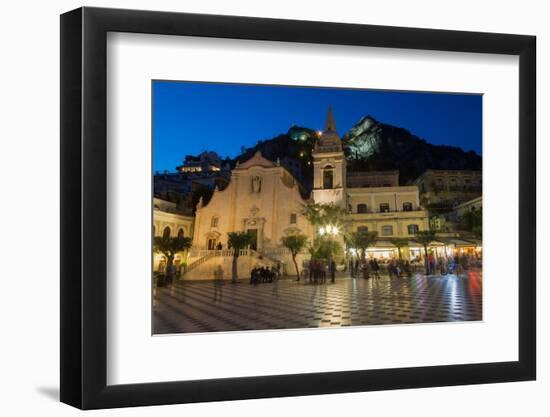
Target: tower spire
330,124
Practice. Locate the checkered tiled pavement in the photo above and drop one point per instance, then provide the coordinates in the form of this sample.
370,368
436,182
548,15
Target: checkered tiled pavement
203,307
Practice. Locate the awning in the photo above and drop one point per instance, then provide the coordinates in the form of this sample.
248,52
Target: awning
384,244
459,243
415,244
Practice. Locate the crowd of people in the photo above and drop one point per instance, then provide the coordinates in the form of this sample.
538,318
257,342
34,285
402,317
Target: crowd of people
318,271
398,268
261,274
457,264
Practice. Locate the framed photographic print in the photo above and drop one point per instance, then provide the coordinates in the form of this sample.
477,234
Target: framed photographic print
258,208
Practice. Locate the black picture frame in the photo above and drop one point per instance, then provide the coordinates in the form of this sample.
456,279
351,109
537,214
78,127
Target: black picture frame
84,207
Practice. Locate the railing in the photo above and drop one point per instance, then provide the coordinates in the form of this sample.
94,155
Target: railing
328,149
198,262
275,252
207,254
200,253
418,208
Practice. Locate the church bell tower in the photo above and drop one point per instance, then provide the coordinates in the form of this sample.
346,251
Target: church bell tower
329,166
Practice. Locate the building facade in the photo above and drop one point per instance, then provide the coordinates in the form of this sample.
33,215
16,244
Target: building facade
442,190
262,198
392,212
358,179
169,222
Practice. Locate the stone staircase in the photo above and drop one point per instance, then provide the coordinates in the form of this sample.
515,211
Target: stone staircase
204,262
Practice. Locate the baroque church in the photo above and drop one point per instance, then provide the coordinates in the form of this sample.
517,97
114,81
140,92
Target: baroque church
264,198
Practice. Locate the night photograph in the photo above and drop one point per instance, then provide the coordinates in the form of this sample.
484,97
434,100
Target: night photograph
286,207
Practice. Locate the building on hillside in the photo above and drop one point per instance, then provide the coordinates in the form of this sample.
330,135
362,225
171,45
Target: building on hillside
205,162
205,171
451,221
442,190
168,221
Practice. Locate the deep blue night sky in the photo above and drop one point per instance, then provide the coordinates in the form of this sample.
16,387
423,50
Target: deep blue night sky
189,117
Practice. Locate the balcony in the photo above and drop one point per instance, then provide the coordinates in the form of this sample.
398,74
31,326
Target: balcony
370,214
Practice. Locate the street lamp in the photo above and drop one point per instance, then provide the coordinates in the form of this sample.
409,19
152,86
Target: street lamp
328,230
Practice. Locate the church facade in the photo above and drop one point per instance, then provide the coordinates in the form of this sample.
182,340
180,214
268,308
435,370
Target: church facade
264,199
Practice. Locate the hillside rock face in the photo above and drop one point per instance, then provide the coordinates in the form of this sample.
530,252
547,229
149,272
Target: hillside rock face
363,140
369,145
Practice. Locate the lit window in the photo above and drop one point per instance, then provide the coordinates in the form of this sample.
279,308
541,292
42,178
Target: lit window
387,230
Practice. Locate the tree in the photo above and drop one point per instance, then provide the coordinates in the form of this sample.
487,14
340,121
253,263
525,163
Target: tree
323,248
295,243
238,241
319,214
362,240
400,243
330,220
472,221
169,247
425,237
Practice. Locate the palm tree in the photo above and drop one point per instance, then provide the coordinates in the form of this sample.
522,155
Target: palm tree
295,243
169,247
238,241
425,237
362,240
400,243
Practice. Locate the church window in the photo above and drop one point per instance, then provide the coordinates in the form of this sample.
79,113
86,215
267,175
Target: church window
328,178
214,222
361,208
181,233
166,232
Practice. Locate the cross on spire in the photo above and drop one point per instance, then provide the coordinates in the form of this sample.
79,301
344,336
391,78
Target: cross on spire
330,124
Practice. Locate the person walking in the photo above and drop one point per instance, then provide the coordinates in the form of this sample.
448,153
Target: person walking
218,283
376,269
431,263
332,271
